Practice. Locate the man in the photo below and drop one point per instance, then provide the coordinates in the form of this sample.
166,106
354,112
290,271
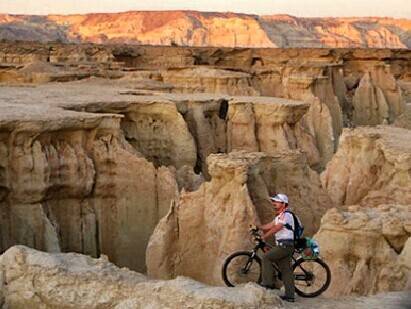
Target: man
282,253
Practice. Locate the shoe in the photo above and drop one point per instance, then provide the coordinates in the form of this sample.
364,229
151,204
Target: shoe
289,299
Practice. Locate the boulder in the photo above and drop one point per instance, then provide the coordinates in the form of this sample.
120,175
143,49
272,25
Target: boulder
29,278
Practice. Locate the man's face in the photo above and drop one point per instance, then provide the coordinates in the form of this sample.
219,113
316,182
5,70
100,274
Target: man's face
278,206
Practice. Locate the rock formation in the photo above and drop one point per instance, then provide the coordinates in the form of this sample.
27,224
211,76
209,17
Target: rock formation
70,181
29,278
191,28
367,249
268,125
206,225
372,166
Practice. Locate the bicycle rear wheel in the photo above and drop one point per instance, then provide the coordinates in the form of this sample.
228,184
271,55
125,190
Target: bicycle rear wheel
240,268
311,277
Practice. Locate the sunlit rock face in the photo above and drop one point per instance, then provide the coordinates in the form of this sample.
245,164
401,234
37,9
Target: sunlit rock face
367,248
372,165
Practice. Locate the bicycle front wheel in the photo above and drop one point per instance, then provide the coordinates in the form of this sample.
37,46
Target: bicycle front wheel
311,277
241,267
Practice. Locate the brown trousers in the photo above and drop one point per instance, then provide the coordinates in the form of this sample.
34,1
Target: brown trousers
282,257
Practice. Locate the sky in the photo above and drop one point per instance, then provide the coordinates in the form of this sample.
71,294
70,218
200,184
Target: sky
307,8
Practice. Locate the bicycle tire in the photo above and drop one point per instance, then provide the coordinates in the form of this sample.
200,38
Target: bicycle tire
323,287
247,258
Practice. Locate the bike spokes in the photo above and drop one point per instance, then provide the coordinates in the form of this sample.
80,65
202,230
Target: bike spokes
243,269
310,277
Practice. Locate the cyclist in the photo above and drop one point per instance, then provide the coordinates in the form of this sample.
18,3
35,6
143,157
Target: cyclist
282,252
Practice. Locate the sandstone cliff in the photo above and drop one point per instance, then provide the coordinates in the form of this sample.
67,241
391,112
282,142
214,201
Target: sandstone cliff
70,181
191,28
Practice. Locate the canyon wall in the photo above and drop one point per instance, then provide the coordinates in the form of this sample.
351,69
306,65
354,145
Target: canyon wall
150,155
70,181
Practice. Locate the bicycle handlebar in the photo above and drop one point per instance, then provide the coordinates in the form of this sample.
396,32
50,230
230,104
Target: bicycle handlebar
255,231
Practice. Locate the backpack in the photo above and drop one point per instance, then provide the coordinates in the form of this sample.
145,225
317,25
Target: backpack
298,226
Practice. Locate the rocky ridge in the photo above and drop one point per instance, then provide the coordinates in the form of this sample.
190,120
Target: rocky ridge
191,28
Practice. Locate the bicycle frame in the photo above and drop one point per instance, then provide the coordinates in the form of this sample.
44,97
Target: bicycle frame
261,245
305,275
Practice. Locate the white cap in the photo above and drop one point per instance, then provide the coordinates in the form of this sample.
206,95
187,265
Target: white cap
282,198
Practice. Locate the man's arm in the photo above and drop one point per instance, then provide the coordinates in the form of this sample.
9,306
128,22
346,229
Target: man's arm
274,229
267,226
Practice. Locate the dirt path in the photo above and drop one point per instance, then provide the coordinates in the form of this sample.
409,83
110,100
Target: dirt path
392,300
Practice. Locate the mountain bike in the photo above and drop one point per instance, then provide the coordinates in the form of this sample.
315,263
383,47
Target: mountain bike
312,276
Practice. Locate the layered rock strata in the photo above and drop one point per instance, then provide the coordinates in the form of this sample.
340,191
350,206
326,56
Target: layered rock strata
214,220
29,278
367,249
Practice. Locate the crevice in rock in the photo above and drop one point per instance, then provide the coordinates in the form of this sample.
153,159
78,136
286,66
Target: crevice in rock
389,243
256,129
97,235
223,111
